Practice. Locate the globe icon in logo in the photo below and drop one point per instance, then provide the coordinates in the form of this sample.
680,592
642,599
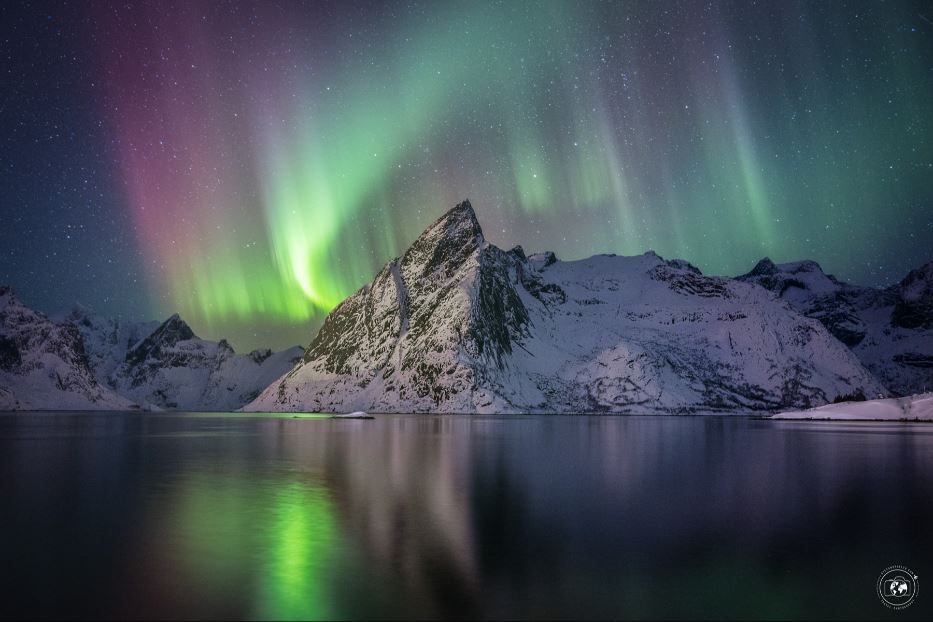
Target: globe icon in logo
897,587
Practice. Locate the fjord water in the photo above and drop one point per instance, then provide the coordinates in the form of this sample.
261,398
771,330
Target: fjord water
171,515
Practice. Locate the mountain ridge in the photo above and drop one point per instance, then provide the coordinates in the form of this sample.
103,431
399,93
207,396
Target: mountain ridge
83,360
456,324
489,330
43,365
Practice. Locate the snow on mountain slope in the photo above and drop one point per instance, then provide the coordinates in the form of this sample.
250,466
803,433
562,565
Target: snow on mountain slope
912,408
43,365
106,339
88,361
459,325
170,367
890,330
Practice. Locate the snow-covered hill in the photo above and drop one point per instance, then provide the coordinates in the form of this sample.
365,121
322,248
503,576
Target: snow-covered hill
168,366
458,325
913,408
890,330
43,365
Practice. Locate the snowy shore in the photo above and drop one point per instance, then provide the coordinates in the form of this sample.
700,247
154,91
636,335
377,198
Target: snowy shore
912,408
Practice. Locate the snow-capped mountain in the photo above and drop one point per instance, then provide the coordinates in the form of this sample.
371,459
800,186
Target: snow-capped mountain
168,366
82,360
44,366
458,325
890,330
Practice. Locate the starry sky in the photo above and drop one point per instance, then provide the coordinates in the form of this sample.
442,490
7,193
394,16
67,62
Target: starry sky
250,164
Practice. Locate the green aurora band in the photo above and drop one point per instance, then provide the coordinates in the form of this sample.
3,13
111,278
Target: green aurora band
284,163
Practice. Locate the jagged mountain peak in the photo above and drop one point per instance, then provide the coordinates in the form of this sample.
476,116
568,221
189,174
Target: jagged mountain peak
448,242
795,279
458,222
764,267
767,267
169,333
462,212
173,368
175,329
518,252
806,265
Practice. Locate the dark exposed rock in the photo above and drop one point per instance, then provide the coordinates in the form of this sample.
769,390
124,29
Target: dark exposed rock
501,316
690,281
518,252
681,264
173,330
915,359
448,242
260,355
10,358
914,306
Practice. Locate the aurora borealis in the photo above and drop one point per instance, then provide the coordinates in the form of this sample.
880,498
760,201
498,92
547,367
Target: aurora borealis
248,165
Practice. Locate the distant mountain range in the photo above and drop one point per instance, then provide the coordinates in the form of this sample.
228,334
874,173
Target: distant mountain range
458,325
83,360
43,365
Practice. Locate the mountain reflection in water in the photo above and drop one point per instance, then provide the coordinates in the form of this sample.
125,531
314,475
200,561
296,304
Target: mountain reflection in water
174,515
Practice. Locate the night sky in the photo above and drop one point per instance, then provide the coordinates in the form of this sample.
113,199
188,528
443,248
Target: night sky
248,165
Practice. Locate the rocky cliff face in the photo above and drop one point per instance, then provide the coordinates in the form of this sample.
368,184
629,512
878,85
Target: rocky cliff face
458,325
913,300
44,366
890,330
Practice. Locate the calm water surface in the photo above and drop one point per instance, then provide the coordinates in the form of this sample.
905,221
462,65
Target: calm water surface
206,516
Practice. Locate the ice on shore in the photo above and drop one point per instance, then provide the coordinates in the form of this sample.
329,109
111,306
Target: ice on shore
357,414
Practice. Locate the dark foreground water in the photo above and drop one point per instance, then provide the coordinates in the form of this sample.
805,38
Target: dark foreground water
207,516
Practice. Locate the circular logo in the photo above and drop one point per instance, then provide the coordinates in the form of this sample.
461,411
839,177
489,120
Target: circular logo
897,587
